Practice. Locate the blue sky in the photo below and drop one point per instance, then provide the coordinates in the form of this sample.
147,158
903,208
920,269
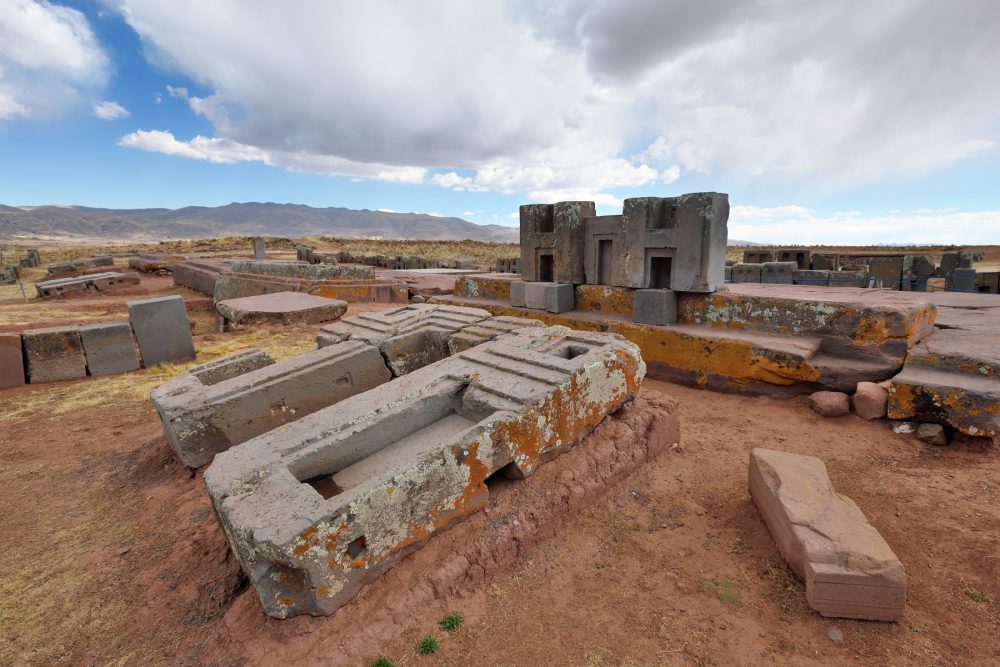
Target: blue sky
825,124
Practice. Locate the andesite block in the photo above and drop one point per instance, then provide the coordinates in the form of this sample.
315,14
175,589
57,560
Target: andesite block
162,330
654,306
109,348
54,353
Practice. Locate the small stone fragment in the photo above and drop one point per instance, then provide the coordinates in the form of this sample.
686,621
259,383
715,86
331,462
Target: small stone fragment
830,403
932,434
836,635
870,400
904,428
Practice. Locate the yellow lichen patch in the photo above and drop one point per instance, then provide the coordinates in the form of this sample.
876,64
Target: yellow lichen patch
484,287
733,359
872,331
605,299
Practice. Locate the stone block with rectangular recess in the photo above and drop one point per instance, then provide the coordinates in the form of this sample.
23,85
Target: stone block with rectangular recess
552,241
848,569
210,408
109,348
319,508
54,353
162,330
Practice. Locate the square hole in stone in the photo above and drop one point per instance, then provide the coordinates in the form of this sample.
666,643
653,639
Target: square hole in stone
357,548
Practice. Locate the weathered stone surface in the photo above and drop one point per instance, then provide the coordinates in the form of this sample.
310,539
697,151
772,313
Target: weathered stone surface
780,273
830,403
870,400
758,256
97,282
932,434
54,353
552,241
887,272
109,348
822,262
517,294
281,308
322,506
916,271
199,274
746,273
200,420
348,282
961,280
11,361
848,569
486,330
258,248
801,256
552,297
151,262
811,277
848,279
654,306
162,330
230,366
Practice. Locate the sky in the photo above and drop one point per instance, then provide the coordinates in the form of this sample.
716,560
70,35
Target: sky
842,122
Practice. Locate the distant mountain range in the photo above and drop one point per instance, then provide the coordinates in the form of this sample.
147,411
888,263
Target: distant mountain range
264,219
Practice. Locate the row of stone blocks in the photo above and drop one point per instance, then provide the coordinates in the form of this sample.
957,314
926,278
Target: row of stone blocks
319,507
395,262
349,283
649,306
77,265
787,273
159,326
214,407
96,282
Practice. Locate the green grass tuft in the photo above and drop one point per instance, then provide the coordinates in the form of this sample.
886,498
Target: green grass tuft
451,622
383,661
428,645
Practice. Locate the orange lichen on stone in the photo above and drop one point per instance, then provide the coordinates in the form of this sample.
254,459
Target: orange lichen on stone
604,299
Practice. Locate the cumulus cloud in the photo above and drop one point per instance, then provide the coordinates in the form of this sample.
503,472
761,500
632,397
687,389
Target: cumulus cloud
799,224
49,59
585,96
109,110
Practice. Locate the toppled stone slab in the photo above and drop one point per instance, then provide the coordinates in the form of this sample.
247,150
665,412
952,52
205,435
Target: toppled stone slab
53,354
11,361
151,262
162,330
199,274
76,265
109,348
316,510
210,408
97,282
282,308
848,569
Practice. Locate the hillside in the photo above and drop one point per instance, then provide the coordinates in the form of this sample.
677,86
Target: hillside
240,219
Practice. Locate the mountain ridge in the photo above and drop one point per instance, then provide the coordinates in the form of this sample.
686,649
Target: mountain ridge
238,219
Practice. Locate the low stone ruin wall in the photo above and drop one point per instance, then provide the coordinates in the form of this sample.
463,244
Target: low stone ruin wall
348,283
396,262
77,265
93,282
155,262
199,274
156,332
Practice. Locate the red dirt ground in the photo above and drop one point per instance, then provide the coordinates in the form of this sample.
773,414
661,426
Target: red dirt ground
112,555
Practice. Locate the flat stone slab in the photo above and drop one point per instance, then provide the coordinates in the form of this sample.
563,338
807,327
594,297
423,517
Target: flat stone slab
848,569
324,505
212,407
97,282
53,354
162,330
11,361
109,348
281,308
199,274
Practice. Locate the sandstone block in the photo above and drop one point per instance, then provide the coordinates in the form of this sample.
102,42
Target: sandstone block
202,419
109,348
830,403
11,361
162,330
281,308
54,353
326,504
848,569
870,400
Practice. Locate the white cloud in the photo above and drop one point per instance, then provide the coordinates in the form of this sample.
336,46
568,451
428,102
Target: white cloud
109,110
468,214
586,97
49,59
798,224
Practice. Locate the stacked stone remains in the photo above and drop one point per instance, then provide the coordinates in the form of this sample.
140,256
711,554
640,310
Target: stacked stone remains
323,506
153,262
94,282
350,283
199,274
280,308
848,569
9,274
162,330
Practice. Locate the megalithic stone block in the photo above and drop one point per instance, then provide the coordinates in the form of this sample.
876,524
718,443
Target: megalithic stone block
258,248
162,330
746,273
782,273
654,306
54,353
517,293
109,348
209,409
322,506
552,297
11,361
486,330
848,569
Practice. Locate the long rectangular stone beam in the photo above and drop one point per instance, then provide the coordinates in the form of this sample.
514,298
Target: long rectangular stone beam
848,569
232,285
324,505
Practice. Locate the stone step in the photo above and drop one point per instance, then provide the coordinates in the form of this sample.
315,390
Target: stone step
968,401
